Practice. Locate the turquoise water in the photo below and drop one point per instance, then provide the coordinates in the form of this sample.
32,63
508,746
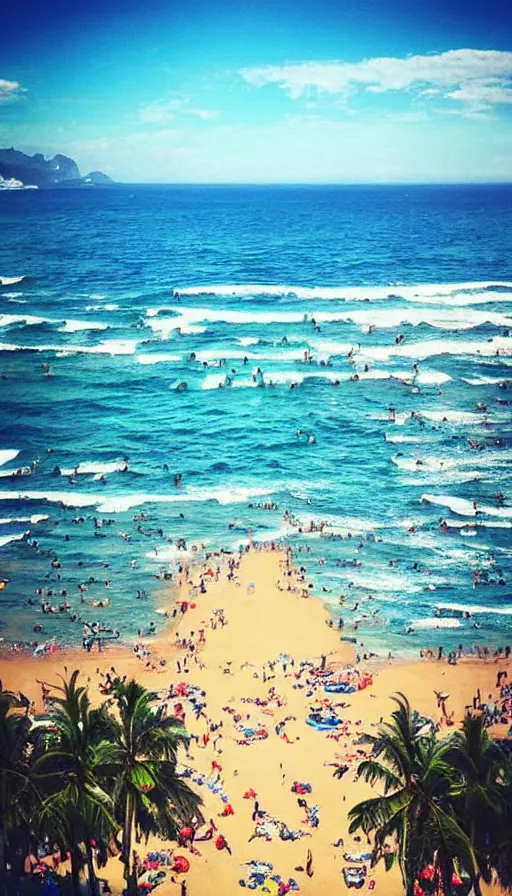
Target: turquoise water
316,303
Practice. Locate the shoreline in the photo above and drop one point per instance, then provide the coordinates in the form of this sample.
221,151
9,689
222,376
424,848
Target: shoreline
376,649
239,665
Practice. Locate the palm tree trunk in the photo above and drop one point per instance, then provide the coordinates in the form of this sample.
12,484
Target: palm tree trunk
127,841
477,890
3,838
3,822
93,882
75,874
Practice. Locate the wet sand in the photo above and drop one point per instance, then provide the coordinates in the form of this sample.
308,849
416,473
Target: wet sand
262,622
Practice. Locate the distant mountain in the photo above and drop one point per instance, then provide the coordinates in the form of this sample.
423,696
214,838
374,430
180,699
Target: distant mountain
36,171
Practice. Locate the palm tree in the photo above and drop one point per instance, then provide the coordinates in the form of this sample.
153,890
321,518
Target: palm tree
413,822
150,798
76,808
480,800
16,788
502,851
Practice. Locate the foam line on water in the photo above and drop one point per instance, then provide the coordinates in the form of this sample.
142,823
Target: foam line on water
8,454
446,319
434,463
28,320
95,467
483,380
419,351
108,306
121,503
464,507
168,553
425,625
9,281
6,539
356,293
475,609
77,326
109,347
481,524
158,359
460,418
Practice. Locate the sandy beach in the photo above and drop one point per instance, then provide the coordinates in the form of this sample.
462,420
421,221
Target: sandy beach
255,634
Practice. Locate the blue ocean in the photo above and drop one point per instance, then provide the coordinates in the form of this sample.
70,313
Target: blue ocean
328,367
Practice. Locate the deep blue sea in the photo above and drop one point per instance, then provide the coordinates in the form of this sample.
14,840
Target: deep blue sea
339,353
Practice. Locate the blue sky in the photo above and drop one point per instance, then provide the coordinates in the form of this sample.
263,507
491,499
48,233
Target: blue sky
263,92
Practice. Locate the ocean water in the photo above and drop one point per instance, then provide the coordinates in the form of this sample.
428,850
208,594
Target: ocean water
197,331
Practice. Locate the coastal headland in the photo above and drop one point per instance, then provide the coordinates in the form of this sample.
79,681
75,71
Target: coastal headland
250,640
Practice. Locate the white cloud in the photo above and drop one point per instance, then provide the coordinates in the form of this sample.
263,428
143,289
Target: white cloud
482,95
165,110
473,77
9,90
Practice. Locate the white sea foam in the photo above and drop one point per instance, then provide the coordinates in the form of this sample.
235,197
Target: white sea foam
228,494
422,350
462,417
168,553
8,281
463,299
382,581
448,319
109,306
443,319
92,467
28,320
236,354
420,292
434,463
448,477
157,359
455,418
248,340
6,539
354,525
273,378
464,507
34,519
121,503
8,454
423,378
419,351
214,381
483,380
77,326
432,377
109,347
421,625
481,524
399,439
475,608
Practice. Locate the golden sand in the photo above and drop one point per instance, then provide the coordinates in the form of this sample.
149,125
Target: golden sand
262,622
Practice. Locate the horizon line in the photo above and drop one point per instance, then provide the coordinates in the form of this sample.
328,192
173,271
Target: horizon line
446,183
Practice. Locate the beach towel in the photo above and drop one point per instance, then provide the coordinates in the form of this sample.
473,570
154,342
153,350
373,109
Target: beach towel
357,856
298,787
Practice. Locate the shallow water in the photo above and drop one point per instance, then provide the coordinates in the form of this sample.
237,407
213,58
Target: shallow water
129,293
